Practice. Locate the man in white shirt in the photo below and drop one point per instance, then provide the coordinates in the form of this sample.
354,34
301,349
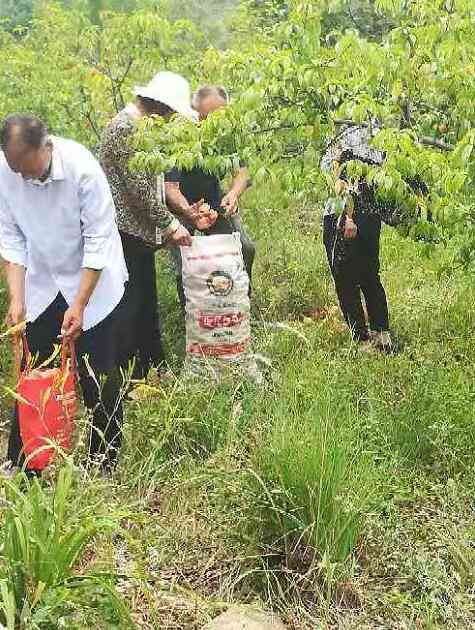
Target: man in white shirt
65,266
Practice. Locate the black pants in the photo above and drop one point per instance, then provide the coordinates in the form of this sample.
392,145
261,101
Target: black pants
358,272
223,225
140,333
103,398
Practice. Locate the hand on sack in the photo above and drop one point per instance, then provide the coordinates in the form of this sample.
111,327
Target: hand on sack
180,237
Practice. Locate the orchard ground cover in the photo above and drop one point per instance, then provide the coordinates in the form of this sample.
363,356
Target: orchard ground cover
340,494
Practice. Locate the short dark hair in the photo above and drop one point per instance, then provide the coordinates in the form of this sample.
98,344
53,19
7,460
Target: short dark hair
28,129
152,107
205,91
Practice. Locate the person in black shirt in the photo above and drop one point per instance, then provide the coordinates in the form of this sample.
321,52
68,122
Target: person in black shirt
352,240
185,189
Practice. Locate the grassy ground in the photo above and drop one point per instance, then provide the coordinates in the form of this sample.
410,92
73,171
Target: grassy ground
340,494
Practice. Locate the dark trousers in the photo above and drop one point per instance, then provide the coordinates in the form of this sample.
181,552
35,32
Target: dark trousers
140,333
356,272
102,398
223,225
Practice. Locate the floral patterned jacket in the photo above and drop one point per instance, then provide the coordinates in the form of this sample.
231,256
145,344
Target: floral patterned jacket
139,198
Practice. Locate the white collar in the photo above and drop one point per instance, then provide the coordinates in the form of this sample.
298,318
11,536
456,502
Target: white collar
57,168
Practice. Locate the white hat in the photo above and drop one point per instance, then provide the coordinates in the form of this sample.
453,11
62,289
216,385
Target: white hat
172,90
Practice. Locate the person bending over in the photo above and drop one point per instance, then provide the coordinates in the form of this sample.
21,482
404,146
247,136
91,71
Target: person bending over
186,188
144,220
65,267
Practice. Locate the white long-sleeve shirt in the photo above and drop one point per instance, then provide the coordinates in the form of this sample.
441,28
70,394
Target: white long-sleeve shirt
60,227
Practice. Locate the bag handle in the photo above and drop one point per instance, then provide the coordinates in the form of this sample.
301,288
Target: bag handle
68,351
17,356
20,343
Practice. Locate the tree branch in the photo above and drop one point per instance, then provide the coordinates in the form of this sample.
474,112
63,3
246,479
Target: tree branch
277,128
426,141
88,113
92,124
439,144
350,123
116,82
120,82
406,113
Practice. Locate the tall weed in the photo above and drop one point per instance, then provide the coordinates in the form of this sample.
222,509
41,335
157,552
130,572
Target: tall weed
42,541
313,483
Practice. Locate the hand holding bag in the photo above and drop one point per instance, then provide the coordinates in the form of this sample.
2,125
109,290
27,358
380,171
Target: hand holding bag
47,405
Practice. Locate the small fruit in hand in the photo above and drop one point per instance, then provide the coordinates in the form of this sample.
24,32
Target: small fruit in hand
206,217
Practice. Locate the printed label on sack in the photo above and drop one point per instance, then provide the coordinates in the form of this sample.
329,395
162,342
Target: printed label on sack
220,283
210,321
221,350
237,254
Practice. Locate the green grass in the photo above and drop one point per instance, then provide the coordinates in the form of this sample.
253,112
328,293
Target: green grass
339,494
43,538
312,501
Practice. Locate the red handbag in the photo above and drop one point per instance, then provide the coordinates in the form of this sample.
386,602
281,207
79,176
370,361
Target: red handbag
47,406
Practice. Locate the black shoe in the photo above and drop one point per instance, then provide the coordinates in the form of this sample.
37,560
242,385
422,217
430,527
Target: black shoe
384,342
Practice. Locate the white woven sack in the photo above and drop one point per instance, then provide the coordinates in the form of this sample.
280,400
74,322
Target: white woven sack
216,288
